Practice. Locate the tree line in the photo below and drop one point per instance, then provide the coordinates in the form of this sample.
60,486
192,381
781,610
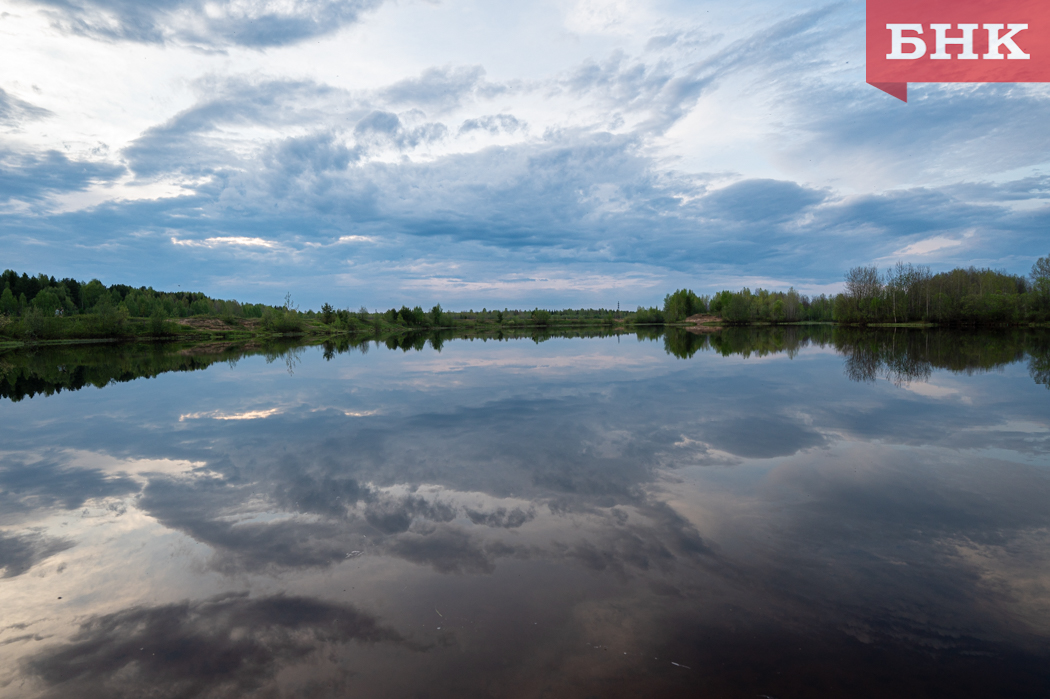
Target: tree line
904,293
43,307
38,307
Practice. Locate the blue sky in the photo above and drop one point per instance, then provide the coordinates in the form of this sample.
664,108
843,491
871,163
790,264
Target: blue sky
577,153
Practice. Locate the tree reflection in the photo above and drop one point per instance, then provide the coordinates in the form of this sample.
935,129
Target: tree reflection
898,355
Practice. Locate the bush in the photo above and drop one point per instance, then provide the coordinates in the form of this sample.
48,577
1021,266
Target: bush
156,322
39,325
286,321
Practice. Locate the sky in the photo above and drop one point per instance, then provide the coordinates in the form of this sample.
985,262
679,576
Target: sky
577,153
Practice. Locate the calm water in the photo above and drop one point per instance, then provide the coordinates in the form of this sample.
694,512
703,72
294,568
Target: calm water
783,514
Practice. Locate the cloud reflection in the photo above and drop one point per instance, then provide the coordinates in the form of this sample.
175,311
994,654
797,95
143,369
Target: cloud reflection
20,552
227,645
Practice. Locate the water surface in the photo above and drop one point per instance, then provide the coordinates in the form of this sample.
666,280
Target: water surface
786,513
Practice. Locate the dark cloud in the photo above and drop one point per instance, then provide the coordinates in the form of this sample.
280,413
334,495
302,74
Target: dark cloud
48,484
20,552
393,515
229,645
318,153
31,177
385,128
255,24
202,509
752,201
448,550
500,517
662,541
191,142
760,436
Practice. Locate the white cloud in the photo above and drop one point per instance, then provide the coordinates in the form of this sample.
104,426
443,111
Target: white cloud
219,415
928,246
232,241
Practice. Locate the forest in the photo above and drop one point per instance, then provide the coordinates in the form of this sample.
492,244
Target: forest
35,308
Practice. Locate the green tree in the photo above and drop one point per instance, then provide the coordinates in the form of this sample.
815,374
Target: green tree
792,306
739,308
682,304
92,293
1040,277
47,302
156,321
648,316
327,313
8,304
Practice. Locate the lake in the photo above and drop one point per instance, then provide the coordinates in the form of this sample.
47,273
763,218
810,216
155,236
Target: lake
796,512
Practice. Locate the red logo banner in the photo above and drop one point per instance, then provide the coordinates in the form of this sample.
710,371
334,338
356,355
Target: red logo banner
956,41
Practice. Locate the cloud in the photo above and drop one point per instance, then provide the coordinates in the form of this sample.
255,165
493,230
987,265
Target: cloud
949,134
215,25
46,484
381,128
392,516
480,192
20,552
33,177
493,124
753,201
502,518
223,241
219,415
759,437
448,550
927,246
441,88
201,508
13,111
227,645
197,141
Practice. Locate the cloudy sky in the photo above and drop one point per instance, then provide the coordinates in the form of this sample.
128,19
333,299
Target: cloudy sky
545,152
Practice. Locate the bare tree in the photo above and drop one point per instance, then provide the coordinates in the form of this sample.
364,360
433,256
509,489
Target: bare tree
862,283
